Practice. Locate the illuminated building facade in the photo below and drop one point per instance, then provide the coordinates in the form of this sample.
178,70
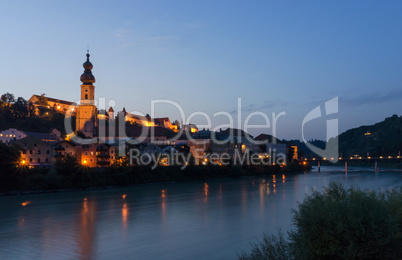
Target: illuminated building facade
86,117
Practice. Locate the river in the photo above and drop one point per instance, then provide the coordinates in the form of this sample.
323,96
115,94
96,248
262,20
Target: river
190,220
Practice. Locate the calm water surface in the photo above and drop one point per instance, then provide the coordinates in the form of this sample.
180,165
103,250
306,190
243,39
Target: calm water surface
193,220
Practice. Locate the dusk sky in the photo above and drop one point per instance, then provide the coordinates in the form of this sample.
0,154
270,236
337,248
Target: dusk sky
282,56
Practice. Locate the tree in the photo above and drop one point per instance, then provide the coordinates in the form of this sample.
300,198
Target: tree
8,98
20,108
148,117
9,158
121,163
67,166
340,224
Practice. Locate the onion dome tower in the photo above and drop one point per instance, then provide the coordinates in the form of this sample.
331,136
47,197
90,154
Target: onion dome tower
87,87
87,112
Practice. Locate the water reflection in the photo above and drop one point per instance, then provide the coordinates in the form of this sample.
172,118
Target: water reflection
102,226
25,203
163,205
206,191
85,238
124,215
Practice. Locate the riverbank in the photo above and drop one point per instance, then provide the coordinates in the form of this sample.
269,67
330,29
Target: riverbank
385,164
27,181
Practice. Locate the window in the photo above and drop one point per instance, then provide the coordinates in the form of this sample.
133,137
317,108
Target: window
47,160
112,151
86,96
23,152
92,153
25,144
30,159
87,146
91,160
38,160
34,145
67,146
86,153
38,151
47,151
86,90
30,151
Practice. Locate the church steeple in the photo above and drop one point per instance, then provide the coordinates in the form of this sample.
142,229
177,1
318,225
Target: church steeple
87,87
87,78
87,112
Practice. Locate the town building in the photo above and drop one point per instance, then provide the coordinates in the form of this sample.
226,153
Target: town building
42,104
11,134
37,149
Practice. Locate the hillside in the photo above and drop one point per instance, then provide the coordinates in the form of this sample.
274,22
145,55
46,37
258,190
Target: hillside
381,139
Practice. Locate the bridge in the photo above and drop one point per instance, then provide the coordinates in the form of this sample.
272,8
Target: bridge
353,158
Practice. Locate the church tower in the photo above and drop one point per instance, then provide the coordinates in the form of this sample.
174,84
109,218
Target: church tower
86,121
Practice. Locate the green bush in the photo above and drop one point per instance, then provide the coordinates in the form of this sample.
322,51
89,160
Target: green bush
340,224
271,247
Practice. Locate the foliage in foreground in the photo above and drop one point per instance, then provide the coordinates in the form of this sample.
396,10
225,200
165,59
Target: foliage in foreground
339,224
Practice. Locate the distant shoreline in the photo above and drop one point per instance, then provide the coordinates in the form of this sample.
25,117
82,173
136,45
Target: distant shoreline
148,178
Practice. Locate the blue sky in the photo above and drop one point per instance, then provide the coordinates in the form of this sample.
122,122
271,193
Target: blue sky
278,56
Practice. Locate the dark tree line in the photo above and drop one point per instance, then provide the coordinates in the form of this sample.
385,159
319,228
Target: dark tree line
19,113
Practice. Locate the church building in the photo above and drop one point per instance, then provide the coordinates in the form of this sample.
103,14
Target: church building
86,117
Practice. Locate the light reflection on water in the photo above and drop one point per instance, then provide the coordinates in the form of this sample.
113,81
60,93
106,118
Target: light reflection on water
193,220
